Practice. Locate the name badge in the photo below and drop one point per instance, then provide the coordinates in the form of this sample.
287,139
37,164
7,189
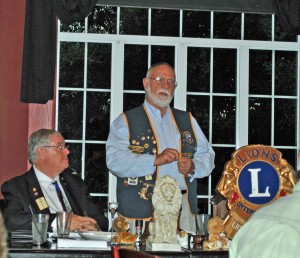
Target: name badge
41,203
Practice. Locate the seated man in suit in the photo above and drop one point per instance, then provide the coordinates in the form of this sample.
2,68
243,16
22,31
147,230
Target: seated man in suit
36,190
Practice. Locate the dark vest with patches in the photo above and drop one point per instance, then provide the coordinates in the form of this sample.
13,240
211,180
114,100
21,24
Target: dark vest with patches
135,194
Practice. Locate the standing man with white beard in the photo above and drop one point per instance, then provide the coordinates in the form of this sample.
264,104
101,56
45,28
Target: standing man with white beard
155,140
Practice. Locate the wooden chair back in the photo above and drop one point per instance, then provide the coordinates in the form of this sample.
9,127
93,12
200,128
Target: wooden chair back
118,252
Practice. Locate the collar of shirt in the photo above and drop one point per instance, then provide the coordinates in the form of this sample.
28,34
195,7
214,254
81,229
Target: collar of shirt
156,112
42,178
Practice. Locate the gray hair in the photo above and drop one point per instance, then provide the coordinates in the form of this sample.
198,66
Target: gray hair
157,64
39,138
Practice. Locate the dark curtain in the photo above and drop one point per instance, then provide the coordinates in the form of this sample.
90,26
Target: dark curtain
39,52
288,14
240,6
38,69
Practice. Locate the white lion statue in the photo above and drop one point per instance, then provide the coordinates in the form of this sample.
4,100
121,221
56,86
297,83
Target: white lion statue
166,199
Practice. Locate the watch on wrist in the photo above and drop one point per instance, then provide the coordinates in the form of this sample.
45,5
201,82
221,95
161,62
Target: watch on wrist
193,171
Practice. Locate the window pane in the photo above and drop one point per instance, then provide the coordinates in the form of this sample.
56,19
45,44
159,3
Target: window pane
258,26
260,72
224,72
135,66
163,54
282,35
103,20
75,155
285,73
202,186
196,24
290,156
259,121
227,25
134,21
97,115
133,100
101,203
76,27
70,114
199,107
203,202
198,69
71,65
165,22
224,118
96,172
285,122
99,66
224,155
202,189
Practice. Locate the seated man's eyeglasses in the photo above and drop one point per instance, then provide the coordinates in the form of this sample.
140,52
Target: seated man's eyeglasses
162,80
58,147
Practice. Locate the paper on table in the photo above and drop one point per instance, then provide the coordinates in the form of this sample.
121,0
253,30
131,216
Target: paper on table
80,243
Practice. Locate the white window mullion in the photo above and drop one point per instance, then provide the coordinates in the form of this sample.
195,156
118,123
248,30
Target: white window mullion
117,75
181,76
84,110
243,26
149,21
273,27
211,78
242,101
149,34
273,100
298,103
116,106
57,81
180,23
118,20
211,25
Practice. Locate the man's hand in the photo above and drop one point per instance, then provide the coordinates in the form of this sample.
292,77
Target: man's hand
83,223
185,166
166,157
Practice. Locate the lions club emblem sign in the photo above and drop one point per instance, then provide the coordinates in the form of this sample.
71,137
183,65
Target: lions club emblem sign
255,176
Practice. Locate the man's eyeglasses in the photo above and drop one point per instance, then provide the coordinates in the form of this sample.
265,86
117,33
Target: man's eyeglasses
58,147
162,80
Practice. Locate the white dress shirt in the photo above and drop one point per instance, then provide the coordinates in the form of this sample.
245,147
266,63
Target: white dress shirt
50,193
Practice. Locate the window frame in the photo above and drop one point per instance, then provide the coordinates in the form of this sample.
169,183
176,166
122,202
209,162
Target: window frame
181,45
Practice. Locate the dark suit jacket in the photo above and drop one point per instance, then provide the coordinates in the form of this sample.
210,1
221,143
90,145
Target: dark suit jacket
22,191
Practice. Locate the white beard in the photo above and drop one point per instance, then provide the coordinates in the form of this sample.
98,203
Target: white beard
156,100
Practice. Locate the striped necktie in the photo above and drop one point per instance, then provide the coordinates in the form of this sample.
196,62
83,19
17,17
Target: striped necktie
59,195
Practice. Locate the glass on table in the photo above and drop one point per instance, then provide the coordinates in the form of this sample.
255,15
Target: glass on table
39,228
201,226
112,208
